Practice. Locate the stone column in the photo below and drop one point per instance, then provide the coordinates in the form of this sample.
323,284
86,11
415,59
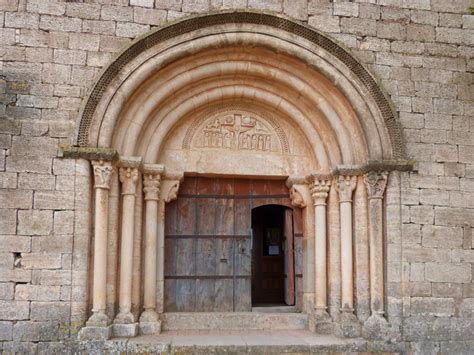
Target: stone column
128,177
103,171
361,252
376,183
168,193
319,191
349,324
149,323
320,187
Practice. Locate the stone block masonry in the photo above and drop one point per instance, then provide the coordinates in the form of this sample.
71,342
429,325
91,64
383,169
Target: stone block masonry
421,52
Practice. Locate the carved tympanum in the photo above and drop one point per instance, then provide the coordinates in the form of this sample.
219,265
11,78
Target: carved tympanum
375,183
237,132
235,129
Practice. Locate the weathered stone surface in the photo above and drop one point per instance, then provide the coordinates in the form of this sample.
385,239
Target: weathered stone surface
35,331
14,310
448,272
41,260
37,293
35,222
54,200
50,311
431,306
6,331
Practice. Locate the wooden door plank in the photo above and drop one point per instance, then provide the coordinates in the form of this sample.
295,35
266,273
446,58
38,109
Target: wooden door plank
170,296
224,295
205,295
185,295
242,187
243,298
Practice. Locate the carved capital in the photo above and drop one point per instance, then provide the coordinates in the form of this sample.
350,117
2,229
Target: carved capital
128,178
128,174
320,187
345,185
297,196
103,171
151,180
375,183
169,191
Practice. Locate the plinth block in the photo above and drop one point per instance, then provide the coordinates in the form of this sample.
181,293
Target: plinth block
125,330
147,328
95,333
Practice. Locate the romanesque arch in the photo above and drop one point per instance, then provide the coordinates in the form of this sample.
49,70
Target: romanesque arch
238,94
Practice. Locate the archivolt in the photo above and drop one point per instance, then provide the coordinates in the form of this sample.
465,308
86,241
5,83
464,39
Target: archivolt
271,61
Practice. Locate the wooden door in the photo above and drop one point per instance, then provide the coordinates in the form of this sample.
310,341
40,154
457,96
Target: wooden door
208,242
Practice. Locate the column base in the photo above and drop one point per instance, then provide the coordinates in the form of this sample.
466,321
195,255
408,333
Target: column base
376,327
149,316
124,318
349,326
148,328
95,333
320,322
125,330
98,319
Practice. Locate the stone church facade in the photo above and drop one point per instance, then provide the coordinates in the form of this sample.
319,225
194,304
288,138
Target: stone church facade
179,164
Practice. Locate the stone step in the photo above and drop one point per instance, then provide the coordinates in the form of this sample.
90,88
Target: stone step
236,342
234,321
274,309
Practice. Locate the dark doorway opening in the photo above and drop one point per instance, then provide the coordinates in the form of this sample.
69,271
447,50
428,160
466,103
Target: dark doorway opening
273,272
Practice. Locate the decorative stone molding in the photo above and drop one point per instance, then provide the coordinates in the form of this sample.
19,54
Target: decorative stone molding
88,153
186,26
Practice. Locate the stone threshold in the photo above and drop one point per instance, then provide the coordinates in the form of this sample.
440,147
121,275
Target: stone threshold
241,341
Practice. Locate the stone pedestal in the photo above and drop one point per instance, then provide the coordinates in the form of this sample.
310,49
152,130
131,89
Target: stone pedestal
376,327
149,328
349,326
95,333
321,323
125,330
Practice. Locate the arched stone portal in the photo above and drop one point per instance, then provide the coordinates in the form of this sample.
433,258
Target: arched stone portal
244,95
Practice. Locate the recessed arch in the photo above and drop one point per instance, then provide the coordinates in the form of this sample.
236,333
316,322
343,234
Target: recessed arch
311,82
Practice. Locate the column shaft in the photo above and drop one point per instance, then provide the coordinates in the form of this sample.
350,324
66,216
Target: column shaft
102,174
129,178
376,183
346,256
346,185
161,257
152,191
319,191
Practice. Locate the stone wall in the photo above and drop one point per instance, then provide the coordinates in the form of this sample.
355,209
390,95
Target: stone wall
50,52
